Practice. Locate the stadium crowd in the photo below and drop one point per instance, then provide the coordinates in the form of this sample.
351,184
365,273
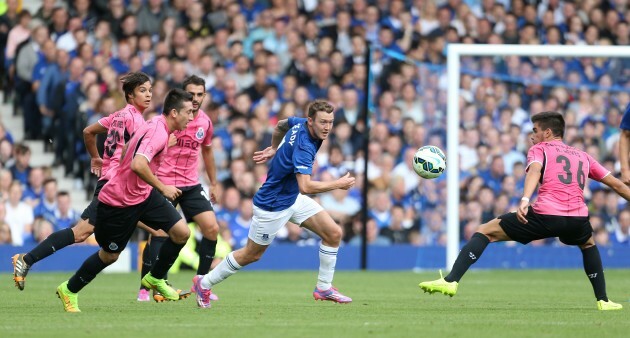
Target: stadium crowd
265,60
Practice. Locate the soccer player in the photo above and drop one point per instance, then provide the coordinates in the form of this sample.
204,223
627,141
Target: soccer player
119,126
559,210
624,146
282,198
179,169
135,194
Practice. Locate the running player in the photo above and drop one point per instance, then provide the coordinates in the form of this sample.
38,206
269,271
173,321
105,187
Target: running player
180,169
282,198
559,210
119,126
135,194
624,146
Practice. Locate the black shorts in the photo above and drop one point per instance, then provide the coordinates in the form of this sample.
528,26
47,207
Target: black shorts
569,229
193,201
90,212
114,226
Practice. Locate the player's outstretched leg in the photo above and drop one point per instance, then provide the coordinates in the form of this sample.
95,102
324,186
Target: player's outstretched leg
595,273
22,262
229,266
469,254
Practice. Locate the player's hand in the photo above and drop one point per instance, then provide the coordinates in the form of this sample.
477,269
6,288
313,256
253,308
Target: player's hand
625,176
171,192
215,197
346,182
172,140
263,155
96,166
521,212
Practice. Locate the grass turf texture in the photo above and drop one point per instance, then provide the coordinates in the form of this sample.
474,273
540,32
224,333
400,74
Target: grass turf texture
501,303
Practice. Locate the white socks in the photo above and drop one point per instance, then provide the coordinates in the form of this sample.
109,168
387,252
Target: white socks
327,262
225,269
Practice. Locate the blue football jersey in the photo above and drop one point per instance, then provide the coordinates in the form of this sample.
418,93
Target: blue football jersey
625,121
295,154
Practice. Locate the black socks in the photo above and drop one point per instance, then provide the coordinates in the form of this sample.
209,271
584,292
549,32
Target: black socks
56,241
469,254
595,271
207,249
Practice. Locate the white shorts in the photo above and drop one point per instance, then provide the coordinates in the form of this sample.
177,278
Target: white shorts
266,224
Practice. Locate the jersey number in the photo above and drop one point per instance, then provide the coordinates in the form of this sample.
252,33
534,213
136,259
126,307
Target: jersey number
113,137
568,177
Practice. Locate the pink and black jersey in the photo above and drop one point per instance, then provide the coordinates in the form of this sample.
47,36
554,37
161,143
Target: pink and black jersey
120,125
180,164
126,188
564,173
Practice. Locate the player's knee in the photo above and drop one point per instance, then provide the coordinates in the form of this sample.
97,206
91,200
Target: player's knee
179,233
108,257
210,230
333,235
82,231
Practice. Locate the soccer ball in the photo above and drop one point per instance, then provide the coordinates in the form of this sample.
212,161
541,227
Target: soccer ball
429,162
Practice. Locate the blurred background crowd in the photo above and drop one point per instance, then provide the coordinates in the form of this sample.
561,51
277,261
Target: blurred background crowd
264,60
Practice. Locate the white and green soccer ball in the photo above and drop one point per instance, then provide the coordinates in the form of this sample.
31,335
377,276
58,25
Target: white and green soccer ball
429,162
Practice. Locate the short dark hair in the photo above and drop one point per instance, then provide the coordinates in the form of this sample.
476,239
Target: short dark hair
48,181
550,120
194,80
175,99
319,105
131,81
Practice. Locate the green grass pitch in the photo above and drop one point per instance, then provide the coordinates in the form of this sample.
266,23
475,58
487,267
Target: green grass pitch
499,303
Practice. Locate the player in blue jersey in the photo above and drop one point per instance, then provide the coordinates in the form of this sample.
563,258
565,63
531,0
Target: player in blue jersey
624,146
282,198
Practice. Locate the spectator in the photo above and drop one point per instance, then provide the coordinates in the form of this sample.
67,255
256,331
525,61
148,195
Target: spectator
48,203
21,169
19,215
63,216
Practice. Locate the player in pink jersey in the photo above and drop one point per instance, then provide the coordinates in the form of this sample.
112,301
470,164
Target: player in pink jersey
119,127
134,194
559,210
179,169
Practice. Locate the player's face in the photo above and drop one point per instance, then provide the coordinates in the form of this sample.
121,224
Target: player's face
142,96
538,134
184,115
322,124
198,93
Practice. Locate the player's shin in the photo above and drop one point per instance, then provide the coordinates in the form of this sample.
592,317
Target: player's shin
595,271
469,254
327,263
91,267
53,243
206,255
166,257
225,269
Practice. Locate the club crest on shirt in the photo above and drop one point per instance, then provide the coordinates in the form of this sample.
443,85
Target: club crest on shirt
200,134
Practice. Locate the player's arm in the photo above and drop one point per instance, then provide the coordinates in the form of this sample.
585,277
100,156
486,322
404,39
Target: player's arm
617,185
89,137
624,155
140,166
278,133
310,187
531,181
208,160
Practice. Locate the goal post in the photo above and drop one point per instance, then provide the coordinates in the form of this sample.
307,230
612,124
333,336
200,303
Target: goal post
454,54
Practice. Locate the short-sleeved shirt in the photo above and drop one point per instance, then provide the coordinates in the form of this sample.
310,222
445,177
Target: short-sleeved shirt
564,173
625,121
120,125
185,154
295,154
126,188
